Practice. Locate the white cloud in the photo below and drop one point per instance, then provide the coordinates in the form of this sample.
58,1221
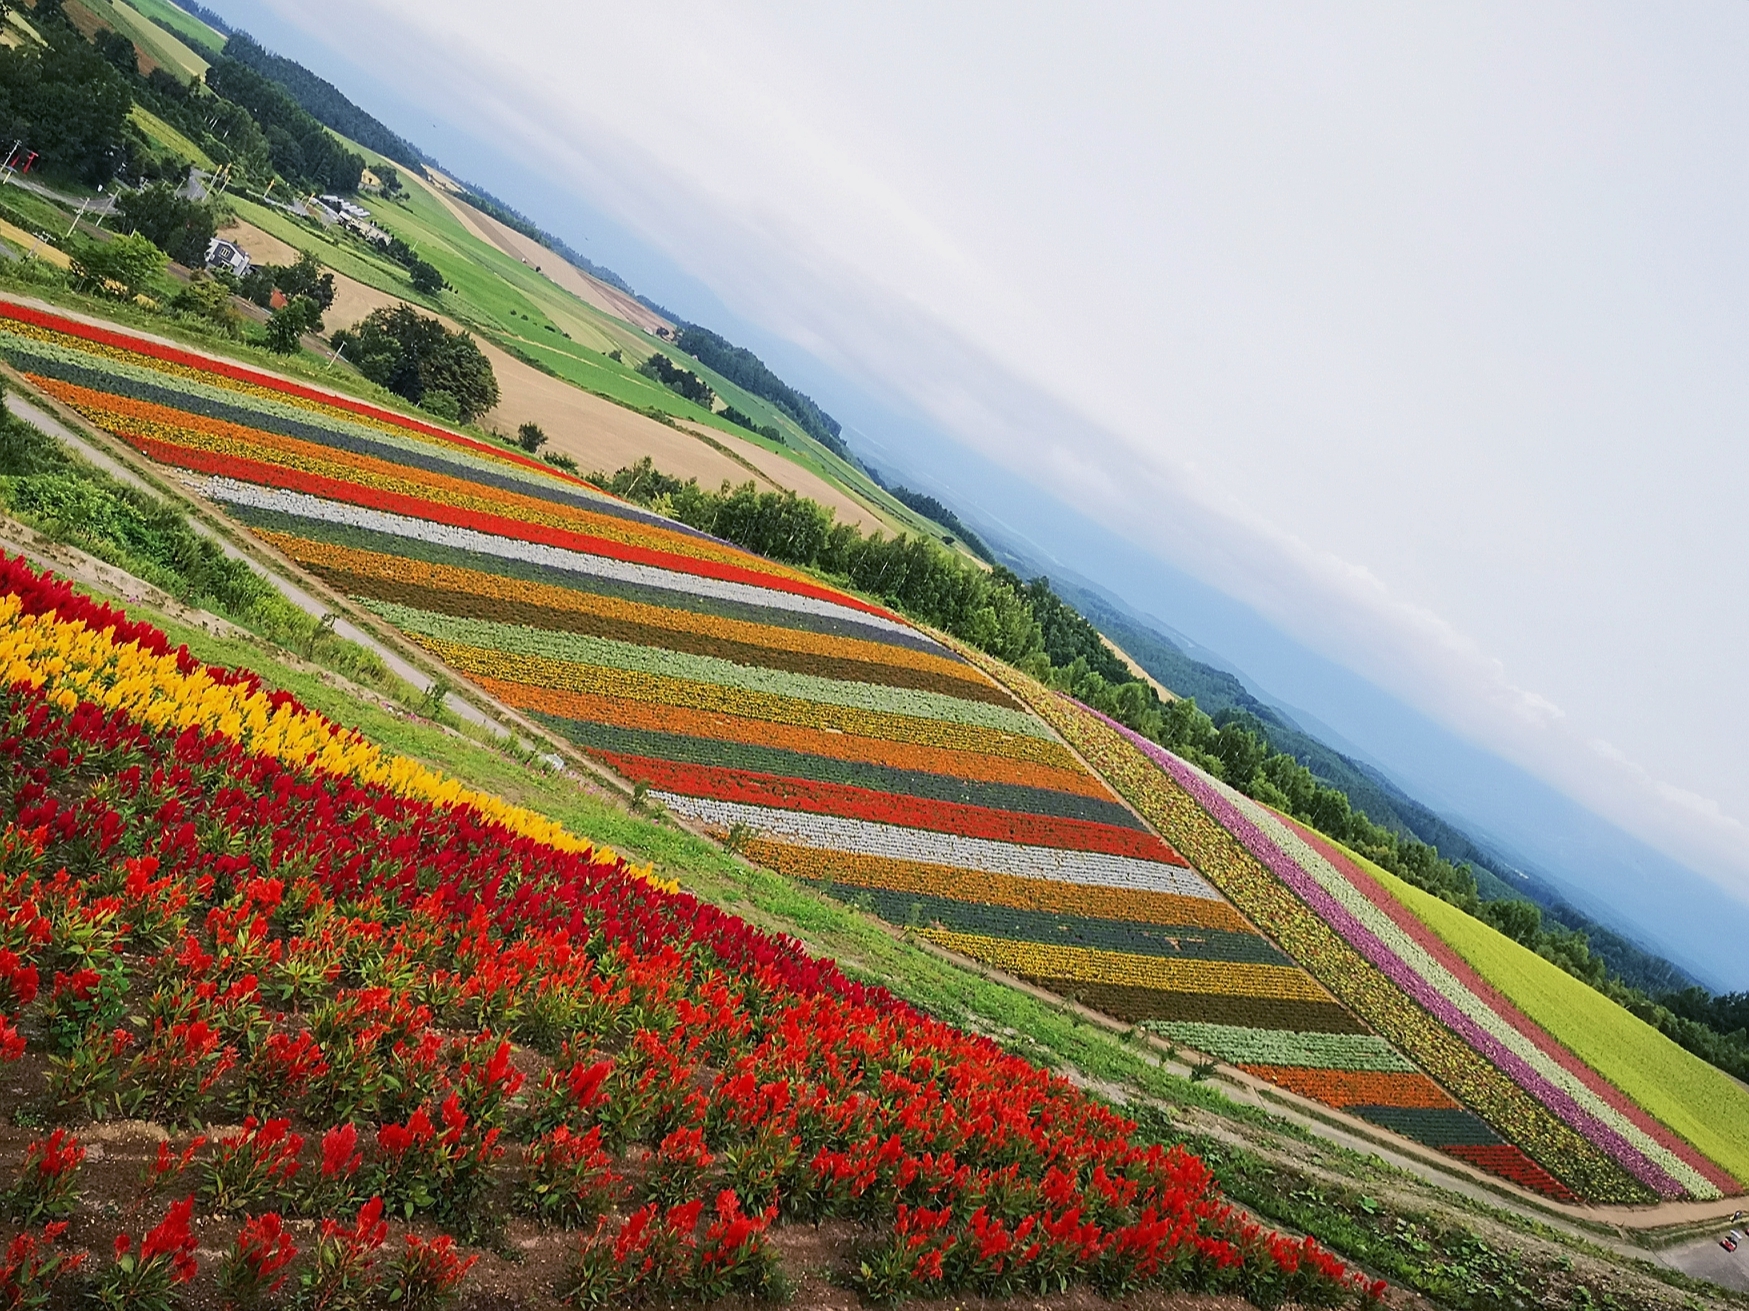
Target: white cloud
1420,332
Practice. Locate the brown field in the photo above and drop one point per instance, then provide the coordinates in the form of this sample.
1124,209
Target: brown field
597,433
552,266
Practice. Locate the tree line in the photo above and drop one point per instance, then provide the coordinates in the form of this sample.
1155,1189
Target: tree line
930,508
1026,624
322,100
747,371
70,99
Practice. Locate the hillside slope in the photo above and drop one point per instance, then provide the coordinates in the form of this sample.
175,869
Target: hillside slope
1314,899
817,733
470,923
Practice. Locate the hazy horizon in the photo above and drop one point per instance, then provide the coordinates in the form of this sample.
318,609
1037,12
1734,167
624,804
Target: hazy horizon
1400,350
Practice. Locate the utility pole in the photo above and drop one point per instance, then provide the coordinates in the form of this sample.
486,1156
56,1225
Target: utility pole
336,355
78,216
6,168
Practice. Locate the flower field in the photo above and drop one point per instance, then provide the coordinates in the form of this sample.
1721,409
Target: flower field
1526,1106
1630,1060
832,741
835,741
376,1016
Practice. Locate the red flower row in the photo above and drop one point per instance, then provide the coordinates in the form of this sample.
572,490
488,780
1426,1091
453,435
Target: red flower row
842,799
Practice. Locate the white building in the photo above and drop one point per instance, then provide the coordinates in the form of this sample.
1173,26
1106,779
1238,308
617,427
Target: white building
341,205
228,255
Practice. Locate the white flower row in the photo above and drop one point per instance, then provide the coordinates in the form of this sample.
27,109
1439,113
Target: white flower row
304,506
1460,995
867,838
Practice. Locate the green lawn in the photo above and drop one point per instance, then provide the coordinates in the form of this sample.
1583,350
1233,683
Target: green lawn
195,33
1702,1103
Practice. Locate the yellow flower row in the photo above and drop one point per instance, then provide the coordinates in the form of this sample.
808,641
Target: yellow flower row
1166,974
71,662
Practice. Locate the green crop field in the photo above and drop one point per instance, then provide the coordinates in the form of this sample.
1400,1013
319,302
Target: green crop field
1697,1100
194,32
166,49
162,134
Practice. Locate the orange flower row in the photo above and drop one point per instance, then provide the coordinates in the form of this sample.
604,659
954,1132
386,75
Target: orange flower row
1357,1087
125,416
1008,890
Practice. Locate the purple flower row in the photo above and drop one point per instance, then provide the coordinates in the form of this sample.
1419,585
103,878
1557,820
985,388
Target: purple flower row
1399,972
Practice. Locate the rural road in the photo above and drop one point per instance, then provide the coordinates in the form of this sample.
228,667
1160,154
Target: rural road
1705,1259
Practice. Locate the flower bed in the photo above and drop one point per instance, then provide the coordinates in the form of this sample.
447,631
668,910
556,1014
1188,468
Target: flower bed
1346,930
1496,1112
835,741
423,1013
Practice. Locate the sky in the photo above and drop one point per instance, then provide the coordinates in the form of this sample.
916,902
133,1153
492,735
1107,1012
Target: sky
1402,348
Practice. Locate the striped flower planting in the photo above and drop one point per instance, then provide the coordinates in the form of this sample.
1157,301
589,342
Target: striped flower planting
837,742
1412,965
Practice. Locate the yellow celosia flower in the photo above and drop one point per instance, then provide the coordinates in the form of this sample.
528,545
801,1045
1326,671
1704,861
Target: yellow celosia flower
71,662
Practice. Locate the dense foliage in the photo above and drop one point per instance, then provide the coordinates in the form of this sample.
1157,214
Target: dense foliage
176,225
322,100
930,508
415,356
682,382
300,147
305,278
66,102
745,369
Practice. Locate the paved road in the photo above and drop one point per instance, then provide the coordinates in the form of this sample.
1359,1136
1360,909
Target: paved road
94,206
1705,1259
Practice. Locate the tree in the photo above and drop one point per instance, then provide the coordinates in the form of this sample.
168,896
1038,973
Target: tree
425,278
176,225
290,322
412,354
126,264
209,300
682,381
67,103
530,437
1522,921
306,278
299,146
